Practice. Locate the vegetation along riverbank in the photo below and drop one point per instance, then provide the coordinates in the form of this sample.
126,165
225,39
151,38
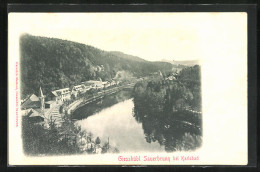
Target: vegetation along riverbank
170,109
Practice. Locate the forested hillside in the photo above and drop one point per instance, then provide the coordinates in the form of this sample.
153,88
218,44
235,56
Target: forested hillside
54,63
160,95
170,110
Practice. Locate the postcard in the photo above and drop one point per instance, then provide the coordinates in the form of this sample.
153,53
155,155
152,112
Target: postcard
127,88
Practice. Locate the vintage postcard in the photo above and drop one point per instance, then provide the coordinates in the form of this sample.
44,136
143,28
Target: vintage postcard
127,88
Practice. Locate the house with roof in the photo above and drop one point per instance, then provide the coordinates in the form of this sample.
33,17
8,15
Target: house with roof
97,84
105,84
78,89
34,108
170,78
50,104
32,102
61,94
54,96
36,116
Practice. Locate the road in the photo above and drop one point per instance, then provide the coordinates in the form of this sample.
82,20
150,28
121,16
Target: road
54,114
78,103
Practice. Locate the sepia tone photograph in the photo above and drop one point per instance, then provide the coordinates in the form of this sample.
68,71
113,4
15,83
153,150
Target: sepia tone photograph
79,99
129,87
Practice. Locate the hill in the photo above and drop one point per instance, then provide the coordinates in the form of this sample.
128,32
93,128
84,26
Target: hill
182,63
55,63
126,56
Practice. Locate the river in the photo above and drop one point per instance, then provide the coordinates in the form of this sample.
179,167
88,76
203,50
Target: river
118,123
131,128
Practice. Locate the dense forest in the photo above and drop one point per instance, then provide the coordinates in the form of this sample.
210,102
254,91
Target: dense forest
54,63
170,110
163,95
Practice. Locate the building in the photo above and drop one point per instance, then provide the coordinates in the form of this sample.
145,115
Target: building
94,84
170,78
50,104
87,88
54,96
34,107
32,102
26,112
78,89
36,116
106,84
61,94
112,83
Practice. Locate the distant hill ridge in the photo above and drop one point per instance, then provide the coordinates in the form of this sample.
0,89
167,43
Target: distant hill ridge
55,63
183,62
126,56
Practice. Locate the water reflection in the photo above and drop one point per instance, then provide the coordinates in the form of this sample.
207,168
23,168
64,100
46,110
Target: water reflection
176,131
132,127
118,124
95,107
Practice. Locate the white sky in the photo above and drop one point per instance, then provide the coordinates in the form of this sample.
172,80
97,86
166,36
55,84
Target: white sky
151,36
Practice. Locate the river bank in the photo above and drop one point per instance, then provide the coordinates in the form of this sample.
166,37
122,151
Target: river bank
100,104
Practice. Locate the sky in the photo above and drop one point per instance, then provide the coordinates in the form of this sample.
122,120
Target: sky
151,36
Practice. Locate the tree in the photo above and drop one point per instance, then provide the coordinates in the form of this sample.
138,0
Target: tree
73,97
98,141
61,109
82,135
90,136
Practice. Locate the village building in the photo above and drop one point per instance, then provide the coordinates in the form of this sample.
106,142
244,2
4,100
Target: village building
32,102
112,83
78,89
109,83
36,116
54,96
50,104
61,94
94,84
170,78
34,108
106,84
118,82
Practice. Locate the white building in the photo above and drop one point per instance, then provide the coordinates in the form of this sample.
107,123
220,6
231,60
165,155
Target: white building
79,88
94,84
62,94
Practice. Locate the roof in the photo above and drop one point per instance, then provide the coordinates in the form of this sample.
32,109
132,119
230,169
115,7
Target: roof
35,112
93,81
50,102
26,112
31,104
63,89
78,86
171,78
59,92
33,97
54,93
